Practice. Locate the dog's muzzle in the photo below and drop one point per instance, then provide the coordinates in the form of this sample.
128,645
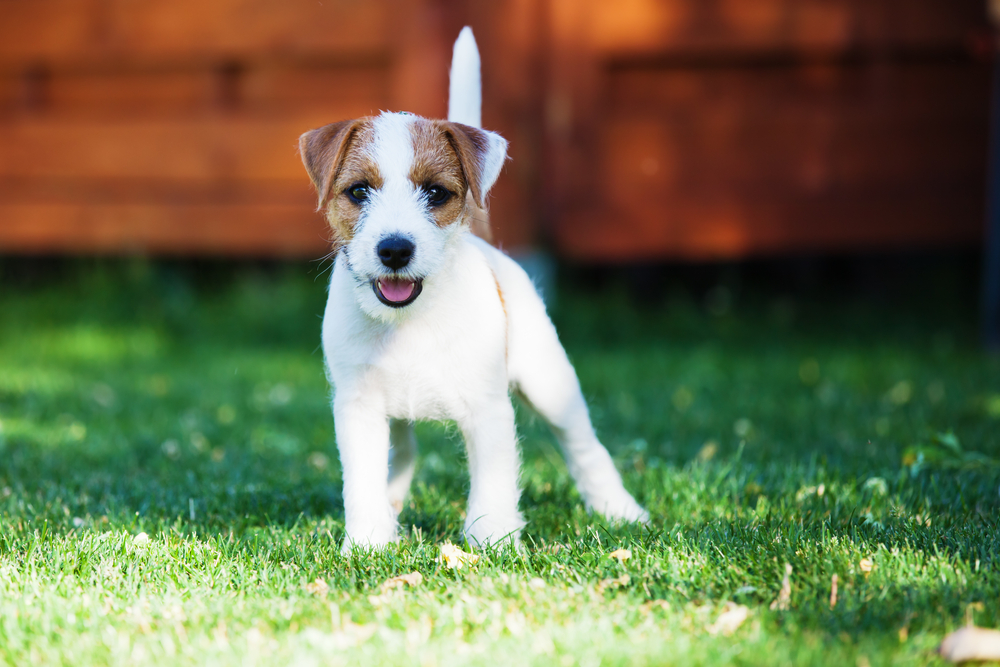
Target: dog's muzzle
397,292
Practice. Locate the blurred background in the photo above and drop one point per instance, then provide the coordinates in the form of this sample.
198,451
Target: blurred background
639,129
708,143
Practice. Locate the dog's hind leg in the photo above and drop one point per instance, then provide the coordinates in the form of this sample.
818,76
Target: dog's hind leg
402,461
554,392
541,373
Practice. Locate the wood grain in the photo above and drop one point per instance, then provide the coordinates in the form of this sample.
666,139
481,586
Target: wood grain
62,32
804,26
154,228
731,162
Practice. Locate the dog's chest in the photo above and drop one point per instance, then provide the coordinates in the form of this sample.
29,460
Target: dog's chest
425,373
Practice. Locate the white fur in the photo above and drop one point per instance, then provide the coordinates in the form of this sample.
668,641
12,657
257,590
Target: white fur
455,353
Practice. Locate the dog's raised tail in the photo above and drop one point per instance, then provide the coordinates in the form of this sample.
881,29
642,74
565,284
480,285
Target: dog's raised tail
465,93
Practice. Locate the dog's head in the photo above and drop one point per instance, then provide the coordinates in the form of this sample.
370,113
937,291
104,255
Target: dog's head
397,190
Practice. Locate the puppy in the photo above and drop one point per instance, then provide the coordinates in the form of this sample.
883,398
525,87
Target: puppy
425,320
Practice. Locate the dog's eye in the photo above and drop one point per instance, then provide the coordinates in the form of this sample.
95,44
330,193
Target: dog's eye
358,193
436,195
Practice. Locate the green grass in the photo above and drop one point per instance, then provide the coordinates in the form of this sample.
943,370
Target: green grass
137,398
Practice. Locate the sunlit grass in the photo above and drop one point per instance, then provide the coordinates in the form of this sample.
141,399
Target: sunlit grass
170,494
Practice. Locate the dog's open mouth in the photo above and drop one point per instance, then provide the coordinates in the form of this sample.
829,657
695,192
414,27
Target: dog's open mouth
397,292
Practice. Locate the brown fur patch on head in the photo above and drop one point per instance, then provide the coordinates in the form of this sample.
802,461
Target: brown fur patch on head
471,145
338,156
436,162
448,155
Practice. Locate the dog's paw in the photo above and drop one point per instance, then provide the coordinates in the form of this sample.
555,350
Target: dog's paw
491,530
621,508
376,539
352,546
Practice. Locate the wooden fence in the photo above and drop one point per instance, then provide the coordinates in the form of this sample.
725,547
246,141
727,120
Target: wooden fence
639,128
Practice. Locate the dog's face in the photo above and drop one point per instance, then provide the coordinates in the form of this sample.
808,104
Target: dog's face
397,190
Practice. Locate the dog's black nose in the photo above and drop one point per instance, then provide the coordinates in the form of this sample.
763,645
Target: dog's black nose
395,252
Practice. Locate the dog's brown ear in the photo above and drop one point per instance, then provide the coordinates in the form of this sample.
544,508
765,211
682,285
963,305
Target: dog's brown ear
481,154
323,151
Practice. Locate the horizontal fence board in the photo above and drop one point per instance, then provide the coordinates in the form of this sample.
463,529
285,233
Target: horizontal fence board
148,191
697,226
334,92
200,149
729,162
224,230
80,31
740,27
786,130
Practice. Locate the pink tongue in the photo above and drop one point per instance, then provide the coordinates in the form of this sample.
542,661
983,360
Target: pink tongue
396,290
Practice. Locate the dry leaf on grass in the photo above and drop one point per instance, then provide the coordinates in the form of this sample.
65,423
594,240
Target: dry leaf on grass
708,450
621,554
617,582
866,565
454,558
318,587
784,598
411,579
971,643
833,591
729,620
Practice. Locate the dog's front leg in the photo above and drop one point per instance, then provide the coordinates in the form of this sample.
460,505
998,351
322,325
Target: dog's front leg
362,429
494,465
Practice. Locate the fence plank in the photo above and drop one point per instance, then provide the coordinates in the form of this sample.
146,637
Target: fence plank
199,149
275,89
714,26
207,229
81,31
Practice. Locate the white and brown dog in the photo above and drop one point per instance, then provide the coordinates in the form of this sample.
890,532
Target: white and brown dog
426,321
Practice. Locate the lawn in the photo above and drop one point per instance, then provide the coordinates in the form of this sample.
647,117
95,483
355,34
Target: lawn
170,493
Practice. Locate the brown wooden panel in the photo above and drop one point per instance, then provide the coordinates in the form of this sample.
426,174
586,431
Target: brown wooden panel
683,128
221,148
738,26
806,128
208,229
727,162
75,31
259,89
699,226
116,190
11,93
329,93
